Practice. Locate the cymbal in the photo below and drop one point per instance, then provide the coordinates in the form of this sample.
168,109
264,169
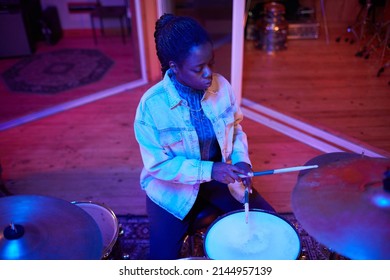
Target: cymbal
343,204
34,227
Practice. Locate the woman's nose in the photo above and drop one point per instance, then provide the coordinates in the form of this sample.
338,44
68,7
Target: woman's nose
207,72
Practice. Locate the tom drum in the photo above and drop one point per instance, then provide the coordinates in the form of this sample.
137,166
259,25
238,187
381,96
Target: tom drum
107,222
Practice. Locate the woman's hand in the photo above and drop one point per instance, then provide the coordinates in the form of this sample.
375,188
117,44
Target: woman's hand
228,173
246,168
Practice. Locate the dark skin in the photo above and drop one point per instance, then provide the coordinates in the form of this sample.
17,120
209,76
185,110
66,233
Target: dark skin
196,72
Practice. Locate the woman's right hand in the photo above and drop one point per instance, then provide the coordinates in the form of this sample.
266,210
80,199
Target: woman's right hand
226,173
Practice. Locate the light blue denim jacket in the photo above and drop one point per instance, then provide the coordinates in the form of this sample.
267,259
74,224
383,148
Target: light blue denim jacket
169,144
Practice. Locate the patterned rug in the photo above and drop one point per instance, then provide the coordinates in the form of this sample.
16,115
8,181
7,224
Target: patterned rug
133,242
57,71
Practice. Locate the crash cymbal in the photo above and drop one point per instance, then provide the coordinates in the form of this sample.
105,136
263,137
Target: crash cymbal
343,204
36,227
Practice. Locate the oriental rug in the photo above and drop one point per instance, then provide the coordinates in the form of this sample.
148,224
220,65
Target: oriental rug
56,71
56,78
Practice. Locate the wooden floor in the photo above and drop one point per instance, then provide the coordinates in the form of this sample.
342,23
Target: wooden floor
89,152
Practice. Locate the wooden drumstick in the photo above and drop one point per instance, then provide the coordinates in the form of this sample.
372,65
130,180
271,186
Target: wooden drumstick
246,204
277,171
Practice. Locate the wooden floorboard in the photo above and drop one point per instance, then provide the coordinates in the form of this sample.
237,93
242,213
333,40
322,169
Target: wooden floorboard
89,152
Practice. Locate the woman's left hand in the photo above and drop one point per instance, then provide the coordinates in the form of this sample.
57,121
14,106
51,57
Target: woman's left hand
247,181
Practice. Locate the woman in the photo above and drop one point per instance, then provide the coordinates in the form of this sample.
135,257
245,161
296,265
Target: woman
192,145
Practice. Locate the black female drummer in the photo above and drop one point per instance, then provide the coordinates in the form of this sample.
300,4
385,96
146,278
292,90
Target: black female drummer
192,144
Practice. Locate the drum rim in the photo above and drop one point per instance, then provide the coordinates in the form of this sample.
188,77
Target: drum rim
252,210
108,249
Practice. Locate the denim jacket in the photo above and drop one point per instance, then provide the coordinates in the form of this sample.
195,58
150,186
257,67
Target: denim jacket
173,169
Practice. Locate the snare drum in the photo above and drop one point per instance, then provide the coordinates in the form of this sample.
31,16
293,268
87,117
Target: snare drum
107,222
266,236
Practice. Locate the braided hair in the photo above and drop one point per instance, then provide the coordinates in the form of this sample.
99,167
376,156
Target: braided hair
175,36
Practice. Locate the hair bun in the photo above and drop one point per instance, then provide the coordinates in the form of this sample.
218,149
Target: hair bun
164,20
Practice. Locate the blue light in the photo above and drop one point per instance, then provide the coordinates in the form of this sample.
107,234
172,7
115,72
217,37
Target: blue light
382,200
12,250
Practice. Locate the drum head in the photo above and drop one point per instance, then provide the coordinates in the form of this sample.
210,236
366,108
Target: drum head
105,219
266,236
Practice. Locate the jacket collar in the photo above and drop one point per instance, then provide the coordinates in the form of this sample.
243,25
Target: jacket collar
174,98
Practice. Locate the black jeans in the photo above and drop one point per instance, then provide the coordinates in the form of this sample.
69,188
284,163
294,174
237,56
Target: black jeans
167,232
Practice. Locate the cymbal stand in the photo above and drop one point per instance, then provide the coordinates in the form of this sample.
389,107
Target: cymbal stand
3,190
376,42
358,29
385,50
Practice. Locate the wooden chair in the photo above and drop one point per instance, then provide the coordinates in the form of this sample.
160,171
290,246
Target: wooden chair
108,9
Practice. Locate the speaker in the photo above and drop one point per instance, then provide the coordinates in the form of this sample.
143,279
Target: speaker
14,36
19,27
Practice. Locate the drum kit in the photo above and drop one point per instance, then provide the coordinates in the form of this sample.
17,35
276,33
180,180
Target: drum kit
34,227
344,203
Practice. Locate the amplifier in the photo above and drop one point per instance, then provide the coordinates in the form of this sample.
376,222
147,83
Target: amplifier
303,30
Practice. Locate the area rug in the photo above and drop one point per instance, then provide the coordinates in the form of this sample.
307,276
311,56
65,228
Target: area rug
133,242
57,71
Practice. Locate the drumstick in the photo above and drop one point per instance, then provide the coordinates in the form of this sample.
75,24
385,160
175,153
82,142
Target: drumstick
277,171
246,204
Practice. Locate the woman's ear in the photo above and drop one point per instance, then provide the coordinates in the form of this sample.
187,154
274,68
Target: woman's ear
173,66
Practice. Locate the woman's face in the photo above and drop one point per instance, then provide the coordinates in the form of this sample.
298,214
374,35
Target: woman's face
196,70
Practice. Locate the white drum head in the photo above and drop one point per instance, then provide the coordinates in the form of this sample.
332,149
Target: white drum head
106,220
266,236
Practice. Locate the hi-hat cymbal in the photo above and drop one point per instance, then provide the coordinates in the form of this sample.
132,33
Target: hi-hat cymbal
343,205
36,227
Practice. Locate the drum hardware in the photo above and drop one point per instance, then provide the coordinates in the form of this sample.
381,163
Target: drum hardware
117,252
386,47
272,28
359,27
192,246
3,189
108,225
267,236
345,204
34,227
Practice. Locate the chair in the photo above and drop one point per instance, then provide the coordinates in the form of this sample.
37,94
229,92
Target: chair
110,9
